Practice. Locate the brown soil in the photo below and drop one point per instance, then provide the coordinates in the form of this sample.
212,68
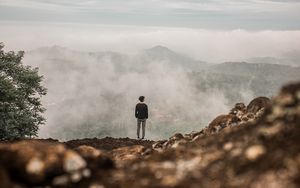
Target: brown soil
108,143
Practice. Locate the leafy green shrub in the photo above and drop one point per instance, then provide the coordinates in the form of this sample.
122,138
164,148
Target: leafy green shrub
20,97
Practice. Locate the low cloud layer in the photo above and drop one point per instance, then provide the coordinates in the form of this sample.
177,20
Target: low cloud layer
206,45
94,95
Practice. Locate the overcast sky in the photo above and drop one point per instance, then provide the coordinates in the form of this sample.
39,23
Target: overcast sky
210,30
208,14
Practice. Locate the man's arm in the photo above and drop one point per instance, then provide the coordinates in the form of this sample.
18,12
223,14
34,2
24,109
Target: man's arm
136,111
146,112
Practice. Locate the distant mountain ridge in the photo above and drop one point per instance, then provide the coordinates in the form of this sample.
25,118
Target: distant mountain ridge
256,69
205,75
122,62
259,79
290,60
94,84
162,53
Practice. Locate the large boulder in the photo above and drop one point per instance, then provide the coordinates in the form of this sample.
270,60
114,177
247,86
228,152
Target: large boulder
258,104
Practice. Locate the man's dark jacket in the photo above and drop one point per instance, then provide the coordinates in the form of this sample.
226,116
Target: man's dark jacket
141,111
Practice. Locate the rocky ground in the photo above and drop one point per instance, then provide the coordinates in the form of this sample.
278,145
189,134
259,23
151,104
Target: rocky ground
255,145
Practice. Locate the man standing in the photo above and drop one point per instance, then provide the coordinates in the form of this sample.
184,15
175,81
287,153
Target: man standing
141,113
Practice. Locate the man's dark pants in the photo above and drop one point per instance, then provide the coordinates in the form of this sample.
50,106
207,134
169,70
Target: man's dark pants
139,122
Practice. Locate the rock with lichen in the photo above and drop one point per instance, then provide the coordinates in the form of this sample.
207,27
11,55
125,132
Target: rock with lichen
257,104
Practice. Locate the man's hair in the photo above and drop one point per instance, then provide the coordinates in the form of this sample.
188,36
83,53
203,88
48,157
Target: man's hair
142,98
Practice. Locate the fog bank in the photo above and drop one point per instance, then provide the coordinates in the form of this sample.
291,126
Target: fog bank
94,95
206,45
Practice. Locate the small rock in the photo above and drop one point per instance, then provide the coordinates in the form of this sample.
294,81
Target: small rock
60,180
73,162
285,99
228,146
88,151
86,173
168,165
176,136
298,95
236,152
35,166
272,130
148,151
76,177
254,152
178,143
159,144
196,138
96,185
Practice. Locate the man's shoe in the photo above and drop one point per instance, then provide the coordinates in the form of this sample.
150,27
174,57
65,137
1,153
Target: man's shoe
143,138
138,137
